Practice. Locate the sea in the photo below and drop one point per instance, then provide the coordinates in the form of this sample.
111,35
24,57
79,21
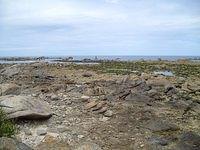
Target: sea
52,59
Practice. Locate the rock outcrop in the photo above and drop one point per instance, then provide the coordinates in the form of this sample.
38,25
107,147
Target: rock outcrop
25,107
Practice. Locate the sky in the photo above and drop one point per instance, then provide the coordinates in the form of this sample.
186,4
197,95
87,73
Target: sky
99,27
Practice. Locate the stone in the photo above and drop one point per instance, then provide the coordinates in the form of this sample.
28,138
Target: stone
91,104
104,119
87,74
102,110
189,141
25,107
158,82
11,70
88,146
52,143
62,128
9,89
85,98
159,125
12,144
41,131
108,113
54,97
193,87
158,141
99,105
170,89
27,132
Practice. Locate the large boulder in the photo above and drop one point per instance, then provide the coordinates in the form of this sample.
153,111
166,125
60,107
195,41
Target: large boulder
9,89
11,71
12,144
25,107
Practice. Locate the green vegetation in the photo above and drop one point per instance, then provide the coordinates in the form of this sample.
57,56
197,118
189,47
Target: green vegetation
183,69
7,127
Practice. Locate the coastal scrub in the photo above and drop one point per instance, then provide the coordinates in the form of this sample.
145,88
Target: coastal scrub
7,127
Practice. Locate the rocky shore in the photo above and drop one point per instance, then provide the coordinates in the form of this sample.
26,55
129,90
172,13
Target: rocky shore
106,106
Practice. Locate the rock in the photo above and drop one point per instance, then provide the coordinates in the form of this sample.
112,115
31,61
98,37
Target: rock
11,71
181,80
91,104
125,80
9,89
189,141
87,74
85,98
41,131
104,119
52,143
179,104
12,144
158,141
27,132
25,107
170,89
108,113
102,110
152,93
158,82
159,125
99,105
193,87
61,128
54,97
88,146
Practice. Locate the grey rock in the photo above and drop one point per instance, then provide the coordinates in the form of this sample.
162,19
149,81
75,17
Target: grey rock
170,89
25,107
189,141
108,113
88,146
158,141
159,125
27,132
41,131
12,144
11,71
9,88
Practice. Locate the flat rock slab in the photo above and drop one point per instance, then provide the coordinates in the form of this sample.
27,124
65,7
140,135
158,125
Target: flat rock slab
9,89
12,144
11,71
189,141
25,107
159,125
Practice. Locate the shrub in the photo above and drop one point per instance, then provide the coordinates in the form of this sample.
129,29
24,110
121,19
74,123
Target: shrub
7,127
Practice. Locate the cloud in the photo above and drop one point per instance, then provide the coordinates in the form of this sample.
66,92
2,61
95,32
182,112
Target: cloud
113,1
92,26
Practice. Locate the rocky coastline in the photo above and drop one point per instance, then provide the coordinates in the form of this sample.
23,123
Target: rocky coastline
112,105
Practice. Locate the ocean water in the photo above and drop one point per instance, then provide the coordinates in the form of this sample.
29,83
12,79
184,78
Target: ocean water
120,58
132,58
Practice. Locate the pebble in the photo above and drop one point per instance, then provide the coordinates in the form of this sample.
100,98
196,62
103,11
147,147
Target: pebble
108,113
102,110
91,104
104,119
41,131
27,132
85,98
81,136
99,105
